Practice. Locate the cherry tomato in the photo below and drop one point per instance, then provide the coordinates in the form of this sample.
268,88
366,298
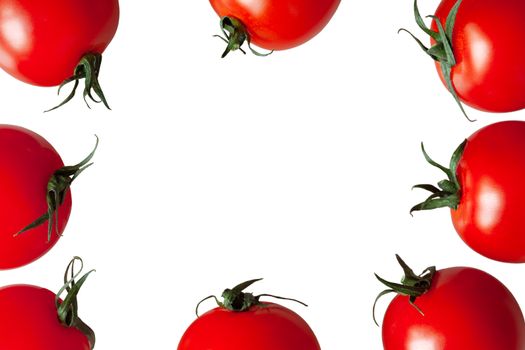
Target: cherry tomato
262,327
491,171
277,24
490,68
30,319
27,164
487,206
243,322
460,308
477,59
42,42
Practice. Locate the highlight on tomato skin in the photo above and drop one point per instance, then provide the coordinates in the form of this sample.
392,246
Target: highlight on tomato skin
490,69
263,327
473,44
272,24
243,322
49,43
484,190
461,308
36,199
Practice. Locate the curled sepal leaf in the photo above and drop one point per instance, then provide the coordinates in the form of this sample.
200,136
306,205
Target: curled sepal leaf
235,299
412,285
442,51
67,310
235,35
88,69
57,187
447,194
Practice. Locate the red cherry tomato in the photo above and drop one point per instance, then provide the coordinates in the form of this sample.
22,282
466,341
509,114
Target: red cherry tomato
489,217
27,163
485,191
29,321
490,68
35,318
473,44
262,327
243,322
464,308
41,42
278,24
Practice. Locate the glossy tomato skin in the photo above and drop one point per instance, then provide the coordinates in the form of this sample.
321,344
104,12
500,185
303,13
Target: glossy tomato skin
490,71
465,308
29,321
279,24
490,216
27,162
41,42
262,327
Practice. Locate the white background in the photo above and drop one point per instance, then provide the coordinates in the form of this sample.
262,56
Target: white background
296,168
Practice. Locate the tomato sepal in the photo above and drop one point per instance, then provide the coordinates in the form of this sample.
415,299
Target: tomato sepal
442,50
236,300
67,309
412,285
235,34
448,192
57,187
88,69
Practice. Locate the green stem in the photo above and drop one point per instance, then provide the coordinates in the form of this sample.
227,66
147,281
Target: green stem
412,285
448,192
235,34
67,310
57,187
88,69
236,300
442,51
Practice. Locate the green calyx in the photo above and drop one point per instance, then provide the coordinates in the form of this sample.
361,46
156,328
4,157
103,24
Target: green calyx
88,69
448,192
235,35
411,285
442,50
67,310
238,301
57,187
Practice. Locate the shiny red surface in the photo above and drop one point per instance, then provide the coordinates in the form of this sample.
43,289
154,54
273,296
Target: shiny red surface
279,24
27,162
41,42
490,70
29,321
464,309
491,215
263,327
